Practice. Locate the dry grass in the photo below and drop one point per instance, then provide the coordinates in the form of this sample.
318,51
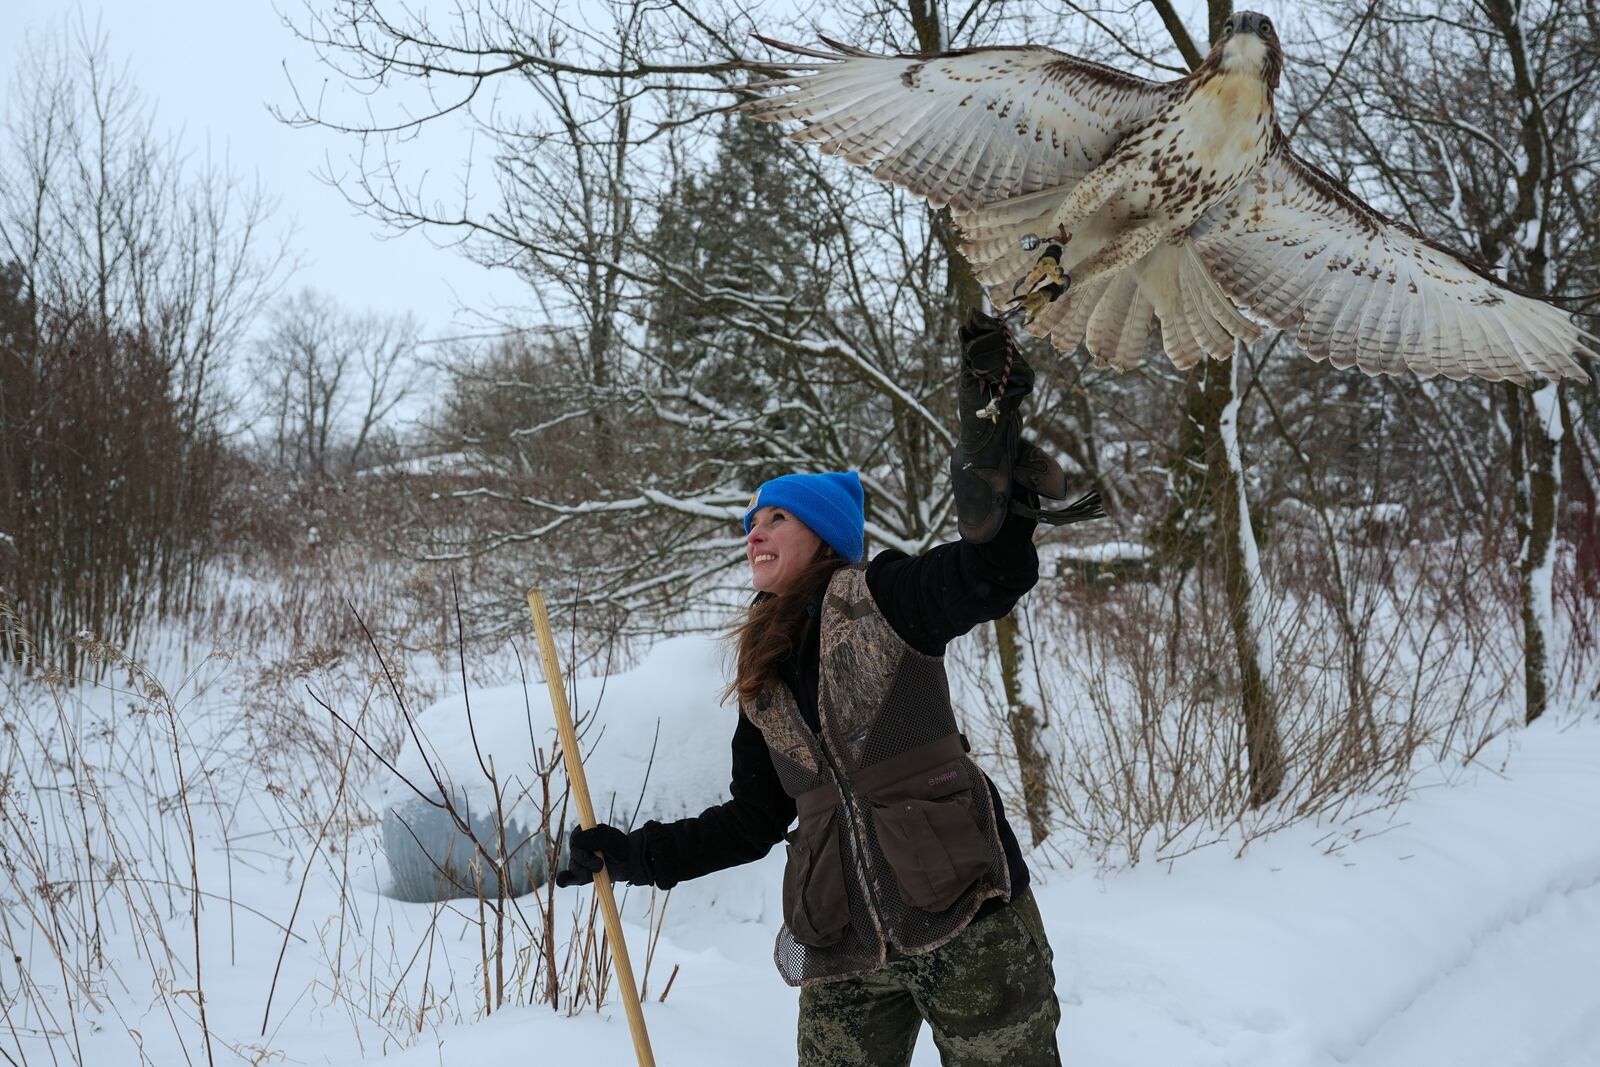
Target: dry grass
1147,747
280,708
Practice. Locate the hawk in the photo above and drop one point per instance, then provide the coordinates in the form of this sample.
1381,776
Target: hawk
1178,201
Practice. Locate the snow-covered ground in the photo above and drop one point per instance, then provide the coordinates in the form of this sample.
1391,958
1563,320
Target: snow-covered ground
1459,927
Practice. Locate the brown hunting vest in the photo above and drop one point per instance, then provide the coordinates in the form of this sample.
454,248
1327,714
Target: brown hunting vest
897,843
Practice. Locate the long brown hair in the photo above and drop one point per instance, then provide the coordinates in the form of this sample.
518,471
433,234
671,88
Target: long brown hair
773,625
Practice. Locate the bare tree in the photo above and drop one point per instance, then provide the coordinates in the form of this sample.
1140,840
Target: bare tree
329,379
107,217
795,319
133,273
1475,120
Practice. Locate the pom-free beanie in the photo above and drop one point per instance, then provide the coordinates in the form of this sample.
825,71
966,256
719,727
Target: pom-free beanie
830,503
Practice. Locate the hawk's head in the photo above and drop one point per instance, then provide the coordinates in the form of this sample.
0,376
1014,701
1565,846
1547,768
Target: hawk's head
1249,42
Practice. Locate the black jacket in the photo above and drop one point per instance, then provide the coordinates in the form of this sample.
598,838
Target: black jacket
929,600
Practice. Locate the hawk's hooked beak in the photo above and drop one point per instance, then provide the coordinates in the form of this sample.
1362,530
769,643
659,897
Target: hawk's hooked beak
1251,22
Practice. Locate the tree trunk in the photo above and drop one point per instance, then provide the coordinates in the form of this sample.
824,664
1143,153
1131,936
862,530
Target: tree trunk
1241,572
1023,720
1021,717
1541,440
1538,459
1578,488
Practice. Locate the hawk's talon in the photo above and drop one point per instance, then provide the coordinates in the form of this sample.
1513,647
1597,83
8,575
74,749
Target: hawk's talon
1041,298
1046,271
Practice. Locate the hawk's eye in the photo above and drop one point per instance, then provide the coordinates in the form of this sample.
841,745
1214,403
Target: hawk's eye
1266,25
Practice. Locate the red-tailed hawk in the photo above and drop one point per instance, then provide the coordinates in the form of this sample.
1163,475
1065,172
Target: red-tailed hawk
1180,201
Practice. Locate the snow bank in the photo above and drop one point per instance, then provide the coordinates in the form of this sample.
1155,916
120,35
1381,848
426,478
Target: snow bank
458,462
1462,927
1093,562
655,740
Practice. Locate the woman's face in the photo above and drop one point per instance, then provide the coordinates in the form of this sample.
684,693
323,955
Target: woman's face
779,546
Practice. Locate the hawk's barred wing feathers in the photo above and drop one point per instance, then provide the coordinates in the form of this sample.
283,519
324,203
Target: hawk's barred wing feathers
964,129
999,135
1297,250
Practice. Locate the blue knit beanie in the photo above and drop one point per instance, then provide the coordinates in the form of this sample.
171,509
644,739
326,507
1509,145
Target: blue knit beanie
831,504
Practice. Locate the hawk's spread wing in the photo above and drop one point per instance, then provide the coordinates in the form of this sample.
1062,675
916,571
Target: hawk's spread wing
965,128
1298,250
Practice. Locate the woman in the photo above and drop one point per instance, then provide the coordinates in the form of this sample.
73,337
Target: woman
905,897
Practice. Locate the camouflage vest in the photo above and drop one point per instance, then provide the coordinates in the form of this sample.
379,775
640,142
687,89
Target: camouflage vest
897,843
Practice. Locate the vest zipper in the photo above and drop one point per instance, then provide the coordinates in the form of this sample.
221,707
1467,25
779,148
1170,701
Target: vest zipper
853,818
846,794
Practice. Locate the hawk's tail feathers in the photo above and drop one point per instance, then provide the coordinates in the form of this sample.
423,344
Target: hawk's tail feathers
1197,318
1119,325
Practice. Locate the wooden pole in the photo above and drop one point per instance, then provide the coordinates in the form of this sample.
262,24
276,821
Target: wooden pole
573,758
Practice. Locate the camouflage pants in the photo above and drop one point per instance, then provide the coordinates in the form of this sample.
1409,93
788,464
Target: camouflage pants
988,995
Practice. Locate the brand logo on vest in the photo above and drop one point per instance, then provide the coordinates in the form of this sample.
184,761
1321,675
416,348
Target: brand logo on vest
941,779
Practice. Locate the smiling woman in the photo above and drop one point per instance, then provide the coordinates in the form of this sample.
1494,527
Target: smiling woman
905,895
778,544
778,548
799,530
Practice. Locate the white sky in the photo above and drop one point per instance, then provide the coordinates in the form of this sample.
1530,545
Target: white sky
211,69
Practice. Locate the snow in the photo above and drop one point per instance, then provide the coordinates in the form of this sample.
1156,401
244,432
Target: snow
1547,403
1458,929
1105,552
1345,520
1256,586
438,463
647,725
1461,926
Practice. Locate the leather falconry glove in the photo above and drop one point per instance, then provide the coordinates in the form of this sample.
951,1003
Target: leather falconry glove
994,379
990,453
620,853
1040,476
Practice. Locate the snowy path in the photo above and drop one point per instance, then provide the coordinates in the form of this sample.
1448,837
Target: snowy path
1539,970
1468,933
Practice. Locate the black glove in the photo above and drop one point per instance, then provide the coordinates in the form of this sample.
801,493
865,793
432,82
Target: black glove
994,380
621,854
994,471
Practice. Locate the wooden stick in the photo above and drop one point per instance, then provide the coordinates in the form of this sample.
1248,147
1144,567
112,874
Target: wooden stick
573,758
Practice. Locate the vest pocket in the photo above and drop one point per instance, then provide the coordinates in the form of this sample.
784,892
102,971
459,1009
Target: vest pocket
922,811
814,902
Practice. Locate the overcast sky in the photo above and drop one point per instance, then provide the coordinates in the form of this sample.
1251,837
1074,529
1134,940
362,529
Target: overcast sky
211,69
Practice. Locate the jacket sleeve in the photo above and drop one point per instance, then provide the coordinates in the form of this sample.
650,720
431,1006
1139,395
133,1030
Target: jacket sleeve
739,830
939,595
